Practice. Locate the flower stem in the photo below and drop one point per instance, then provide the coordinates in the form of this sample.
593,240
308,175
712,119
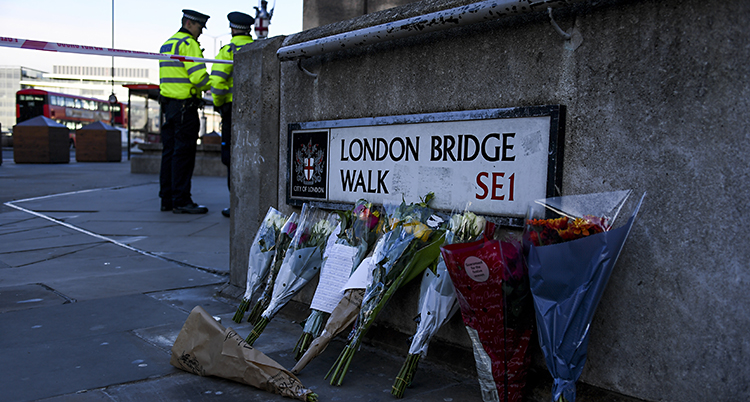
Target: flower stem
334,369
302,345
258,309
241,309
257,330
405,375
341,366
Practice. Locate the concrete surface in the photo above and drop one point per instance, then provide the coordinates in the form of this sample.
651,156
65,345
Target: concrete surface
207,160
321,12
255,172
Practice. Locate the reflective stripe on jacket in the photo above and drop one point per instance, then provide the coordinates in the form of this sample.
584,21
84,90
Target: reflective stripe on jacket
181,80
221,74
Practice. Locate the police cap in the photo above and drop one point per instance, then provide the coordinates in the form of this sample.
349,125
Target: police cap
196,16
238,20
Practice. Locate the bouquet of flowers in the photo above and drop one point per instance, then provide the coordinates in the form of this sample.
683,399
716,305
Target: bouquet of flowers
204,347
572,249
437,299
489,277
262,251
342,316
302,262
282,245
356,234
400,255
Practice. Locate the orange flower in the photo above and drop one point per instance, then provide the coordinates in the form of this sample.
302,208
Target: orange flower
552,231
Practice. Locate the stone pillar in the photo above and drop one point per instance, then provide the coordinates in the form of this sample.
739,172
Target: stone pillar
255,147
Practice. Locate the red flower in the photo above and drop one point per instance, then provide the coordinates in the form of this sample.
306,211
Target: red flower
291,228
551,231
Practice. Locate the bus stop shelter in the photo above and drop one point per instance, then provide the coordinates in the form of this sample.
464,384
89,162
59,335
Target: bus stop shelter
150,92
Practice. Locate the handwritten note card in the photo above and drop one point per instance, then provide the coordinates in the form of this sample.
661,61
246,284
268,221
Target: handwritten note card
333,277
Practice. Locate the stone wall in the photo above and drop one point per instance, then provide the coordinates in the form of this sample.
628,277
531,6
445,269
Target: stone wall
657,100
207,160
323,12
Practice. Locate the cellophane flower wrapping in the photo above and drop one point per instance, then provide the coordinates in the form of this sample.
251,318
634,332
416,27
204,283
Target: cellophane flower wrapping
491,284
401,254
261,254
437,298
301,263
573,243
282,245
353,238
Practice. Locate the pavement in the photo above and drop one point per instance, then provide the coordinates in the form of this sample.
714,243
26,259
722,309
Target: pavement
96,283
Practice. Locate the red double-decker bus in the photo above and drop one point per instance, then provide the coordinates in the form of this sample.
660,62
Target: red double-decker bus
70,110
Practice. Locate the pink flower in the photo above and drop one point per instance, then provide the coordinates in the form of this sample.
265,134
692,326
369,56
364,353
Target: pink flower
290,228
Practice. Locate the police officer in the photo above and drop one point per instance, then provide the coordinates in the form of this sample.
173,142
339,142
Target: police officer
222,82
181,87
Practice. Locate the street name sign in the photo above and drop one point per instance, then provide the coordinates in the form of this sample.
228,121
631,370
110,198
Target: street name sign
495,160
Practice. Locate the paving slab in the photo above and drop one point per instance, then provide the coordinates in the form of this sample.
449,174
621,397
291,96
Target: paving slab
178,386
29,180
132,197
100,199
32,228
126,283
210,253
43,238
210,238
82,279
145,228
219,229
77,364
85,319
139,215
73,262
206,296
25,258
12,219
25,297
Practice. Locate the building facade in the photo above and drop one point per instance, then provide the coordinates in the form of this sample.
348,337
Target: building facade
10,82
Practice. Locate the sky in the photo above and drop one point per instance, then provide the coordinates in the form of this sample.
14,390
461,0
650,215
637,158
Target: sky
142,25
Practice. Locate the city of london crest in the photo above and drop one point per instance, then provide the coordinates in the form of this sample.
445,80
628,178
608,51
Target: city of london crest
309,164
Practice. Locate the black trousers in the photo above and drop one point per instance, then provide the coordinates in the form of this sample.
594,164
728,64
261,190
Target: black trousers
226,139
179,133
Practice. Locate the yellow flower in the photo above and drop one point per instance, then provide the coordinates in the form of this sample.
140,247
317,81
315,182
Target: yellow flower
418,229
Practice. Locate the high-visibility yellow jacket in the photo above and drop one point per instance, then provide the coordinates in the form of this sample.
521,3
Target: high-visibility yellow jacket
181,80
221,74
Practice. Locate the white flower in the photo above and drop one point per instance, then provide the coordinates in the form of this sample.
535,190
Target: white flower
467,226
275,221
